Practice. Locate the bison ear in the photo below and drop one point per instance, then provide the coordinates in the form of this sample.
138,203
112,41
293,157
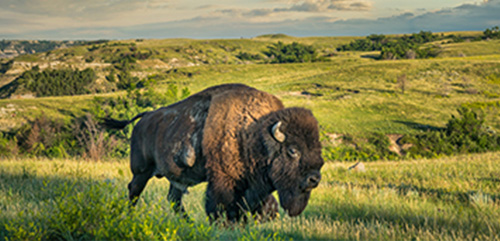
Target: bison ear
277,134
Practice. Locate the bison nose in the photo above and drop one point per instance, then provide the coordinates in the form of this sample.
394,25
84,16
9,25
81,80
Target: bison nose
313,180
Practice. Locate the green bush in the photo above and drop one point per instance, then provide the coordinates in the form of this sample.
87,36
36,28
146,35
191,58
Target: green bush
291,53
370,43
493,33
8,145
463,134
126,107
4,67
83,136
81,208
404,47
57,82
45,137
98,211
372,148
127,81
248,56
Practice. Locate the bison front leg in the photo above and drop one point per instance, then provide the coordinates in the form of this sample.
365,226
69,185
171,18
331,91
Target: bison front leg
220,202
175,197
268,209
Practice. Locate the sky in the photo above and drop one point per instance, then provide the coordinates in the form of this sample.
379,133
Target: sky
129,19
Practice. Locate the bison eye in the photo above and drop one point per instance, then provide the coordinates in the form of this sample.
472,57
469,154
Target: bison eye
294,153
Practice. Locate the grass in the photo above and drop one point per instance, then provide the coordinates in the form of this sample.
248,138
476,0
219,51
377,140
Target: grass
352,93
491,47
348,94
452,198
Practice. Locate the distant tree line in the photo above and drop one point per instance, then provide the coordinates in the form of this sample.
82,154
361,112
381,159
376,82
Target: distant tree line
57,82
404,47
376,42
285,53
67,81
291,53
410,46
492,33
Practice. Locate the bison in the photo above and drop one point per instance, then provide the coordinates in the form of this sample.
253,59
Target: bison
240,140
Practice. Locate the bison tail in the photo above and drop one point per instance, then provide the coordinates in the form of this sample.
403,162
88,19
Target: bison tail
117,124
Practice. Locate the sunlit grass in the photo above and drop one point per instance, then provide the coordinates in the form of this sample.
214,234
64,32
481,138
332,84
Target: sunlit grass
490,47
452,198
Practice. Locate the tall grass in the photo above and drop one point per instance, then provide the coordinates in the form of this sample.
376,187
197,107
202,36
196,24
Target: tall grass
454,198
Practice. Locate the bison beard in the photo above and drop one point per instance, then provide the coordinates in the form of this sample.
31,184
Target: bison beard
239,139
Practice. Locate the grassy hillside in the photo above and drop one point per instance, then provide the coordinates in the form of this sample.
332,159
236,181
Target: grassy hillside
471,49
353,95
446,199
348,95
450,198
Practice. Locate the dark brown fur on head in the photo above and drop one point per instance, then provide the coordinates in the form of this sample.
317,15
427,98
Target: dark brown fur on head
294,164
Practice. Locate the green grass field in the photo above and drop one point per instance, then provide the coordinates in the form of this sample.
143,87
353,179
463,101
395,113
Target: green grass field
454,198
348,94
450,198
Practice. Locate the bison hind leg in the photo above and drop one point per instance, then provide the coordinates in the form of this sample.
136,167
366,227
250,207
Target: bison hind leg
136,186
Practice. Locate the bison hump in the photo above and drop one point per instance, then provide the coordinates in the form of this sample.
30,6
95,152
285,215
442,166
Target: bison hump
229,116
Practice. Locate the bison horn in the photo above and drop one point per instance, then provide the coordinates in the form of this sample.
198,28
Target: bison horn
277,134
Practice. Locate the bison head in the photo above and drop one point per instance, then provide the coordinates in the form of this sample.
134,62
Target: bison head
294,156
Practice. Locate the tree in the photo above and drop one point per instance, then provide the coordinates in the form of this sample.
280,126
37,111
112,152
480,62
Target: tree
291,53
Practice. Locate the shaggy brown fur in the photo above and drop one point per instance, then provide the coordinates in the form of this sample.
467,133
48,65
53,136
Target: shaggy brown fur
224,135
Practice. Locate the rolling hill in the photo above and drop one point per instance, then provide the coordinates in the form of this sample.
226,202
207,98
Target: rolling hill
353,94
355,97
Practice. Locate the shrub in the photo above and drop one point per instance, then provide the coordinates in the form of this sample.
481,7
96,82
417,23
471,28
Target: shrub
372,148
248,56
463,134
93,140
97,211
82,136
57,82
493,33
45,137
127,81
404,47
291,53
4,67
126,107
8,145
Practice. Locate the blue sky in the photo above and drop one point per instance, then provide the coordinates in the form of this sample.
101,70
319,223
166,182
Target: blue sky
125,19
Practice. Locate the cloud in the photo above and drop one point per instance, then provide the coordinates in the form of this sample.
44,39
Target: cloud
78,9
329,5
360,6
463,17
155,4
307,6
258,12
297,18
230,24
207,6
